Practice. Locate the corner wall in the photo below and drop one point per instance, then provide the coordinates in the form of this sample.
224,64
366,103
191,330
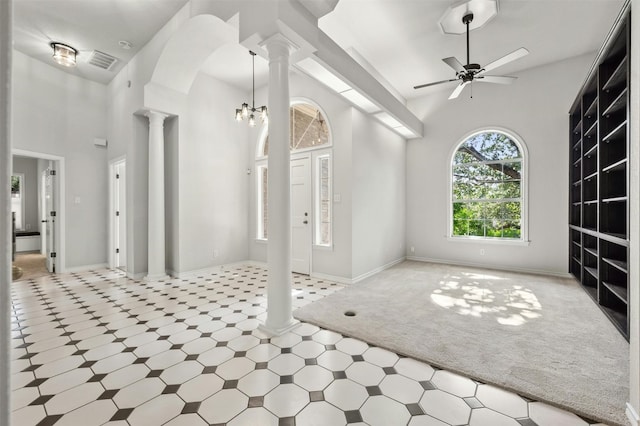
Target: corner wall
536,108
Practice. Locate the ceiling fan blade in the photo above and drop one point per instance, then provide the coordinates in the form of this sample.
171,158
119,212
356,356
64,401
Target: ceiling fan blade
454,63
433,84
509,57
500,79
458,90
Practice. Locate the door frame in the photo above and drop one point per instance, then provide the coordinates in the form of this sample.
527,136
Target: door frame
112,205
59,197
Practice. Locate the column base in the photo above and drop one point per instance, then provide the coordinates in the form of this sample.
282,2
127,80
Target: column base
159,277
273,332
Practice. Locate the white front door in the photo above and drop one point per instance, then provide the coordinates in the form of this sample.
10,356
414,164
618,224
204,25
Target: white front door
301,215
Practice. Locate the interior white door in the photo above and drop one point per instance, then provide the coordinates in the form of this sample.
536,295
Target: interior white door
120,214
50,214
43,212
301,215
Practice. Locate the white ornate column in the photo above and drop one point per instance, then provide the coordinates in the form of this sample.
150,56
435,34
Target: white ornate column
6,35
279,303
156,248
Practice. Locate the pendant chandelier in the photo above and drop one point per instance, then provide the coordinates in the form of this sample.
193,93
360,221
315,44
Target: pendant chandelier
244,111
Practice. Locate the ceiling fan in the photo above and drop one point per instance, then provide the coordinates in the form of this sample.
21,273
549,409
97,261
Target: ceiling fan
465,74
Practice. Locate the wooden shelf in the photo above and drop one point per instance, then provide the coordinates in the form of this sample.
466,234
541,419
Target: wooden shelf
592,108
619,75
614,199
617,104
592,130
618,165
591,251
618,290
618,131
592,271
619,264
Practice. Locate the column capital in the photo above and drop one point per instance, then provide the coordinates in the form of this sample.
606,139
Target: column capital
279,45
155,116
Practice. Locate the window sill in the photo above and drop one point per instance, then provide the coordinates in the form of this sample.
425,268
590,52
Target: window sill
488,241
323,247
261,240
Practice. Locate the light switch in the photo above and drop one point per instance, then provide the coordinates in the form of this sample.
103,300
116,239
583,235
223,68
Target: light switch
337,198
76,200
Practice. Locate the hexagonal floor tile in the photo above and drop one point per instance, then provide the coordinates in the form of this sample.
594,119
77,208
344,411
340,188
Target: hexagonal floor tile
181,372
286,400
223,406
254,416
320,413
263,352
73,398
243,343
287,340
308,349
352,346
235,368
380,410
200,388
346,394
139,392
215,356
335,360
454,383
258,382
380,357
364,373
487,417
313,377
401,389
414,369
327,337
544,414
446,407
158,411
94,413
286,364
502,401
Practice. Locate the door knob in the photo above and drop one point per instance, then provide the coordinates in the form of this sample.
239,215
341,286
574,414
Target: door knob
305,222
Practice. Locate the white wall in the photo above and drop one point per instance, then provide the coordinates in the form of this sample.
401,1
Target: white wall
379,187
536,108
213,183
60,114
29,167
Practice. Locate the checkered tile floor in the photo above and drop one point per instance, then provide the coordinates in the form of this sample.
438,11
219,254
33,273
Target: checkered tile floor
97,348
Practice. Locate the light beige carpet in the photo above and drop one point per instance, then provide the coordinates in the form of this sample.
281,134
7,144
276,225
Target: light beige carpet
539,336
33,265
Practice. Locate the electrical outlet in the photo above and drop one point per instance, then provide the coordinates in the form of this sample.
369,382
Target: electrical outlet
413,249
216,253
481,252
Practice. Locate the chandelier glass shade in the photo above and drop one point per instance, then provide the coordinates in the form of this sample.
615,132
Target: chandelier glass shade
251,112
64,55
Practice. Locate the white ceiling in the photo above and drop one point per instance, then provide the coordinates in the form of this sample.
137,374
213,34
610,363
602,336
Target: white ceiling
401,39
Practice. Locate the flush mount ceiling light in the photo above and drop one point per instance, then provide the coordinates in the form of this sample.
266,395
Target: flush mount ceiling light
244,111
63,54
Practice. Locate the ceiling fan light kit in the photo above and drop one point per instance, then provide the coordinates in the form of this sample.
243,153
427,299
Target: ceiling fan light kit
470,72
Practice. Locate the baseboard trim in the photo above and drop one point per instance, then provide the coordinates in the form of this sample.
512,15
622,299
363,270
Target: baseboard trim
215,269
632,415
377,270
333,278
85,268
499,268
138,276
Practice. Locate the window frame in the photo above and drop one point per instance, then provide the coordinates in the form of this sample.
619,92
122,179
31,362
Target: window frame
324,150
524,185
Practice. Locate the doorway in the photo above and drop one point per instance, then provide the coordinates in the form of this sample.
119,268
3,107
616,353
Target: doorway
39,242
118,214
301,215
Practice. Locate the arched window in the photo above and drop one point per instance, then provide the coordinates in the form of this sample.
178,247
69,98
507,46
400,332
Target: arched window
309,133
488,187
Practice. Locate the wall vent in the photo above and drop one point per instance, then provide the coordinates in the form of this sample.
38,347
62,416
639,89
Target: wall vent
102,60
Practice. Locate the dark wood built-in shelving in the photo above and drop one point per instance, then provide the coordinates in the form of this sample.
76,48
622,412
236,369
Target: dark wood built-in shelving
599,181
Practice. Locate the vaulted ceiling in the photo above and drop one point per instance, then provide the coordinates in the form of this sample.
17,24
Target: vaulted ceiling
399,40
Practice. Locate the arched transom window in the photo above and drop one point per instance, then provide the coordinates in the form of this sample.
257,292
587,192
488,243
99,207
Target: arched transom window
487,187
307,127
